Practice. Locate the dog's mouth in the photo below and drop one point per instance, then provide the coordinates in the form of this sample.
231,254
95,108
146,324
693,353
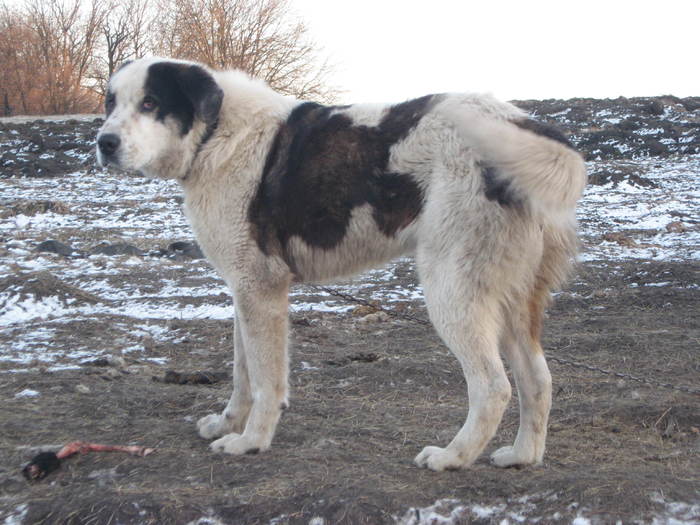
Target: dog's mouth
113,164
106,161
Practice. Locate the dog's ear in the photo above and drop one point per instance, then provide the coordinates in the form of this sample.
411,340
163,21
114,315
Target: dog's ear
202,91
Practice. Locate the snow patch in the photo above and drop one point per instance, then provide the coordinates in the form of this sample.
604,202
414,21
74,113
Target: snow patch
676,512
27,392
17,516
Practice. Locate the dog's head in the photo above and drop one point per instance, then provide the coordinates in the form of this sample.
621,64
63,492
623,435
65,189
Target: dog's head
159,113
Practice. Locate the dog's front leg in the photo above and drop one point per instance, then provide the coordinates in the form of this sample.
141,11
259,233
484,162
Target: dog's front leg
262,320
234,417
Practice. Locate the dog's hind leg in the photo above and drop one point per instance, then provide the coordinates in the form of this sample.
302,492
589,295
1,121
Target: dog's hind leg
521,346
262,318
467,316
234,417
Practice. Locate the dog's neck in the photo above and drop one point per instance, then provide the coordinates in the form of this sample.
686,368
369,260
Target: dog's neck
208,134
250,114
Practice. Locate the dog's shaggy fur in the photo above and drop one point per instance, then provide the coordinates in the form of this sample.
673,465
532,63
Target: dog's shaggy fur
281,191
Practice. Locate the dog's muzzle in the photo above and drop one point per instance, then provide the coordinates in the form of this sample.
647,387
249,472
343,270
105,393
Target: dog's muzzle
108,146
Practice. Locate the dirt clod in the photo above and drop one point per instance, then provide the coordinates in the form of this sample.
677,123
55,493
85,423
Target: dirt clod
193,378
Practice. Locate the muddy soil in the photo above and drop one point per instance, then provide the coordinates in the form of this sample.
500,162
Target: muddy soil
366,397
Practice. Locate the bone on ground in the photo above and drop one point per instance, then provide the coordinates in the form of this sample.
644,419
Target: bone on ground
46,462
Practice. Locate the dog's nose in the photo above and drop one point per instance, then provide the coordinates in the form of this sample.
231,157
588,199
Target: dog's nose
108,143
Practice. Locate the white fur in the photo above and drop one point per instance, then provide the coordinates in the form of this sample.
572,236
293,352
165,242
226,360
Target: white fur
486,268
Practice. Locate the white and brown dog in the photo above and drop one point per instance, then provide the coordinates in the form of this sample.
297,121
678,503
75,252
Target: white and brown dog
280,191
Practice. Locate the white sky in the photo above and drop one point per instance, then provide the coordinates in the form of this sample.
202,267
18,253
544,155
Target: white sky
391,50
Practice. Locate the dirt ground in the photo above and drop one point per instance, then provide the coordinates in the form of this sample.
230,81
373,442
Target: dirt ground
366,397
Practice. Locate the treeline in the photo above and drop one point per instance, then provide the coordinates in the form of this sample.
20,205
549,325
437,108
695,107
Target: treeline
57,55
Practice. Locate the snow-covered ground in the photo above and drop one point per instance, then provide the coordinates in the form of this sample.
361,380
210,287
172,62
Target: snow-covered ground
140,295
526,509
660,223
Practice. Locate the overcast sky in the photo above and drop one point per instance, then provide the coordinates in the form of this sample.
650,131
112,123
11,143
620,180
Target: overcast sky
390,50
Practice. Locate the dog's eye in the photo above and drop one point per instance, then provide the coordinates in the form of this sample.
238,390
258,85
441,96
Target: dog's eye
110,102
148,103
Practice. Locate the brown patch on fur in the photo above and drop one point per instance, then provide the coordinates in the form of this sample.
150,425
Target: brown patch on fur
536,304
560,247
321,166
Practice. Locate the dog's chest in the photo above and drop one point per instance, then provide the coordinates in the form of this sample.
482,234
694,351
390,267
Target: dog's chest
218,219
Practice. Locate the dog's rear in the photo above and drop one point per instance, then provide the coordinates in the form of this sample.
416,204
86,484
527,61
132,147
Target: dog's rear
534,178
535,163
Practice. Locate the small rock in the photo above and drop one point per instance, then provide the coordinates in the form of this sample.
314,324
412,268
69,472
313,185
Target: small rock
82,389
109,374
656,107
192,378
655,147
57,247
325,443
620,173
377,317
116,361
110,360
191,250
115,249
676,227
363,310
364,357
37,141
360,357
620,238
149,343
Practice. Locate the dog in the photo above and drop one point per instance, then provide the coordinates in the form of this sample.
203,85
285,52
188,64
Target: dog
281,191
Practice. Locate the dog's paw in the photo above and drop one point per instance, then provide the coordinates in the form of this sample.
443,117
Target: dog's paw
213,426
438,459
510,457
237,444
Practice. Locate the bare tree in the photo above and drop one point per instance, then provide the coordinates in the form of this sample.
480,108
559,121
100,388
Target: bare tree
124,33
261,37
8,57
123,36
64,41
16,62
56,55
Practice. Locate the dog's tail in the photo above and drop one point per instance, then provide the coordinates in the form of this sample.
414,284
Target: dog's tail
525,159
